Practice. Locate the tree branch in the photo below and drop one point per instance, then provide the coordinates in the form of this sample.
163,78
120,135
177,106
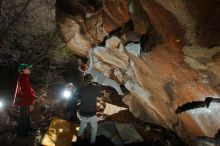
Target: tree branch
15,20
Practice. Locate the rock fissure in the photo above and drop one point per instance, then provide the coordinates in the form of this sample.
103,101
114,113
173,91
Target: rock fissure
197,104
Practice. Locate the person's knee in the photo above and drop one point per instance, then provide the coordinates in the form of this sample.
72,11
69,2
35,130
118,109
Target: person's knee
94,126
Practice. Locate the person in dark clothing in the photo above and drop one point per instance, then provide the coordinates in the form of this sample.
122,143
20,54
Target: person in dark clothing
87,110
24,98
72,103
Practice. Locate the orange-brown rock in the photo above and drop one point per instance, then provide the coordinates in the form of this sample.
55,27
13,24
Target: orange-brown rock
206,62
77,42
161,113
160,18
176,84
190,21
118,11
94,27
167,83
160,69
139,17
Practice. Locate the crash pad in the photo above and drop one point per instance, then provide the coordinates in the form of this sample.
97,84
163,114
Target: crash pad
128,133
60,133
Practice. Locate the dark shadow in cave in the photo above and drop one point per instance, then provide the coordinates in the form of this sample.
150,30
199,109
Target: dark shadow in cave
72,74
8,77
207,18
144,42
149,40
129,26
213,140
168,135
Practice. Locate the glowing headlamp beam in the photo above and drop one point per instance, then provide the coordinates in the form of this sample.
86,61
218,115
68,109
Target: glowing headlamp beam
67,94
1,104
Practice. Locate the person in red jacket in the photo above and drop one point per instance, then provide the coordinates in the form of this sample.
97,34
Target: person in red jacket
24,97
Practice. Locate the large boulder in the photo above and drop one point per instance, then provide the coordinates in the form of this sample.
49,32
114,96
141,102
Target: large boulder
171,85
139,17
77,42
193,21
112,56
118,11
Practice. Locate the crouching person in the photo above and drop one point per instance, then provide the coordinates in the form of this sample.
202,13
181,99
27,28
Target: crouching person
24,97
87,110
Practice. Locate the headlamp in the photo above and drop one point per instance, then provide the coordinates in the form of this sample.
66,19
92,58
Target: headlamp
1,104
67,94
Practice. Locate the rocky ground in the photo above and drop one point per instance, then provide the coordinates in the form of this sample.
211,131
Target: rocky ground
109,109
166,53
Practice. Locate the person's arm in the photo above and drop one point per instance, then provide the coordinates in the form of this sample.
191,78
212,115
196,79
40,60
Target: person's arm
99,90
77,95
33,92
91,61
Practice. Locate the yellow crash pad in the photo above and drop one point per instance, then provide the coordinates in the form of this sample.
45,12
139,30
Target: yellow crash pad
60,133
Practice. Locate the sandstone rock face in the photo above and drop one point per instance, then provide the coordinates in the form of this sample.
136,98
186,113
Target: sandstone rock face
94,25
139,17
205,61
160,18
118,11
197,18
112,56
176,84
161,115
75,40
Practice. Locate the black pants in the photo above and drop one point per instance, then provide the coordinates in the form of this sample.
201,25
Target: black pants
72,109
24,123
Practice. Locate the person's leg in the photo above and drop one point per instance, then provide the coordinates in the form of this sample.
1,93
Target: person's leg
75,111
28,118
83,124
29,125
23,121
94,125
72,110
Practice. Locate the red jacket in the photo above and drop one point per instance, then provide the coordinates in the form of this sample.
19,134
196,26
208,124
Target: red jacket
24,94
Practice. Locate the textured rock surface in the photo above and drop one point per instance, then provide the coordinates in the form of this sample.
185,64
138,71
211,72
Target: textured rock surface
78,42
112,56
206,61
139,17
118,11
197,18
170,84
